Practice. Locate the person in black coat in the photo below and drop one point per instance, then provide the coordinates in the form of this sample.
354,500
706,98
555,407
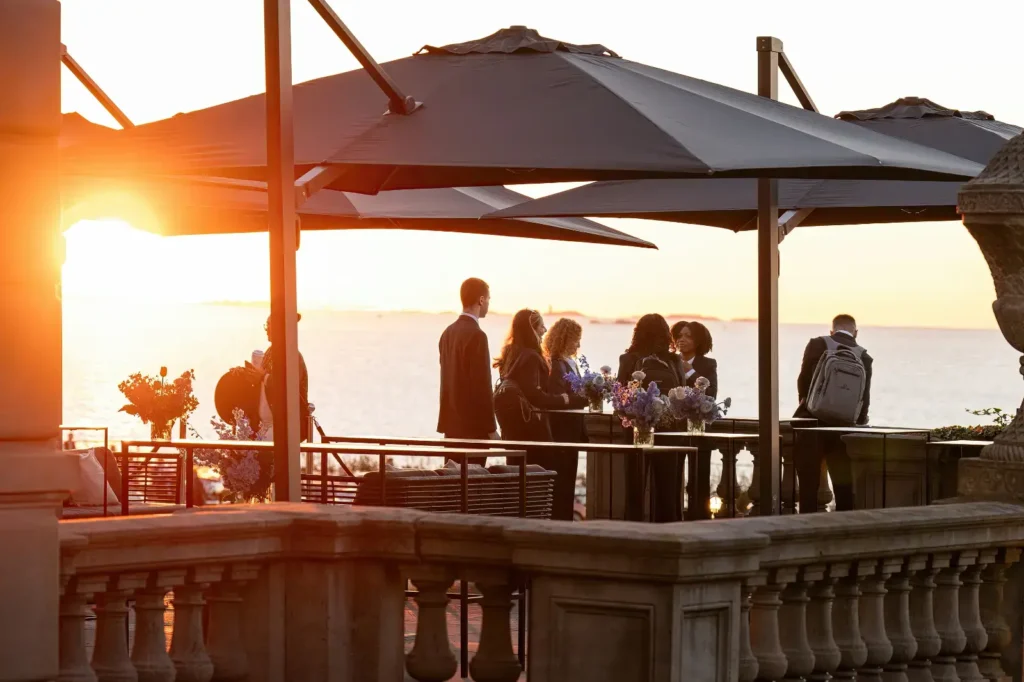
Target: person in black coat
466,405
811,449
561,344
652,337
521,361
693,342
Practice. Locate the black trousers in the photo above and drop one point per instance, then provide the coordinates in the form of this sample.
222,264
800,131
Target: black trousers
564,463
810,449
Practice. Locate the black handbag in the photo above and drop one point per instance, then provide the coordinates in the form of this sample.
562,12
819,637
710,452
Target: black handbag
515,413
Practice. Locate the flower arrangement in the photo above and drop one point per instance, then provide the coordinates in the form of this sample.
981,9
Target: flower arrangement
1000,420
639,408
594,386
695,406
245,474
156,401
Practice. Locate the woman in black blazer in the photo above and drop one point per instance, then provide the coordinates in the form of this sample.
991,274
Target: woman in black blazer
652,336
692,341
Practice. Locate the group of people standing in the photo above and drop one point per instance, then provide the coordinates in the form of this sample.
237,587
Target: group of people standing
532,367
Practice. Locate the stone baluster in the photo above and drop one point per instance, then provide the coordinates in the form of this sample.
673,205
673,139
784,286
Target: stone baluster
764,625
723,483
992,615
819,623
224,642
431,658
110,657
789,486
754,491
793,623
922,618
74,661
947,618
897,620
970,618
872,616
846,624
495,659
149,653
748,662
188,647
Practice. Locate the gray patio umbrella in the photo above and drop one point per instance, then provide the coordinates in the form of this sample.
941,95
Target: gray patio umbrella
512,108
194,206
732,204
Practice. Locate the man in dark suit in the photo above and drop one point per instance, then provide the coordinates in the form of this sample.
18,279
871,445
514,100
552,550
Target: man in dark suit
811,448
467,400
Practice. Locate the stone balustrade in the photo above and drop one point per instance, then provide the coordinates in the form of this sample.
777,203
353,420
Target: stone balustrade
287,592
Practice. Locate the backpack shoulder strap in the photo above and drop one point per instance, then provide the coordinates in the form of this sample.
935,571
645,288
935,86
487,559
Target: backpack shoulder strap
830,344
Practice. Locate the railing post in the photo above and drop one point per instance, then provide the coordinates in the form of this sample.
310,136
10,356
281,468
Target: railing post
872,617
993,616
897,619
846,623
431,658
793,623
922,618
224,642
188,648
110,657
764,625
819,623
150,651
495,660
748,661
947,618
74,661
970,618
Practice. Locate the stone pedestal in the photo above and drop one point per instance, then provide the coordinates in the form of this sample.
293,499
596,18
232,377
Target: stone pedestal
34,477
992,206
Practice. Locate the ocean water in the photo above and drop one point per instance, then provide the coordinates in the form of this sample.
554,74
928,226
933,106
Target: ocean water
378,373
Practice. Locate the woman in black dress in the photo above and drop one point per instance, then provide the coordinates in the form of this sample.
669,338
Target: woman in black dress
650,352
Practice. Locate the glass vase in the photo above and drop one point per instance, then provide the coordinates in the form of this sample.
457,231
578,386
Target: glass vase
696,427
596,405
643,436
160,431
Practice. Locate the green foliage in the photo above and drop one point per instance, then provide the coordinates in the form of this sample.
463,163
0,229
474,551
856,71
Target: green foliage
1000,420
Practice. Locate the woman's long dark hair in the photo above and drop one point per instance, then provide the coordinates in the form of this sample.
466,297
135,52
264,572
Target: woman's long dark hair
650,336
521,337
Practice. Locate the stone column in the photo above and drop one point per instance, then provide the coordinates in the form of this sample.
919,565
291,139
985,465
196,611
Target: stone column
992,206
34,478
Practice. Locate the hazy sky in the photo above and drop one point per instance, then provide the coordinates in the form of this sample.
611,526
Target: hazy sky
159,58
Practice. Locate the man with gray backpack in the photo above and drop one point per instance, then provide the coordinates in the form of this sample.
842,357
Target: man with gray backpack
834,387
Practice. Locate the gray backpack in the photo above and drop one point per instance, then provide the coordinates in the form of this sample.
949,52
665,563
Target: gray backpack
837,386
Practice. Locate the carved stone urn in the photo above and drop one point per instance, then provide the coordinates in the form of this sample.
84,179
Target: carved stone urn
992,206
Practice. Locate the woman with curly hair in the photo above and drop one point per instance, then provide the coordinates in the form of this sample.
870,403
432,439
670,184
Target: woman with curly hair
560,347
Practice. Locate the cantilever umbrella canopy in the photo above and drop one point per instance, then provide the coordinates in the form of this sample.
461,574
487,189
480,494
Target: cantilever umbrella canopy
176,206
732,203
514,108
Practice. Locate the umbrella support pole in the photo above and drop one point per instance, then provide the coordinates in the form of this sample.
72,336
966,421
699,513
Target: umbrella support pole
94,89
283,229
769,464
398,101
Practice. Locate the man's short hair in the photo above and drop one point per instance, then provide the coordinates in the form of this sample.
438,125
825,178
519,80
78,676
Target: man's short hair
472,291
845,323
